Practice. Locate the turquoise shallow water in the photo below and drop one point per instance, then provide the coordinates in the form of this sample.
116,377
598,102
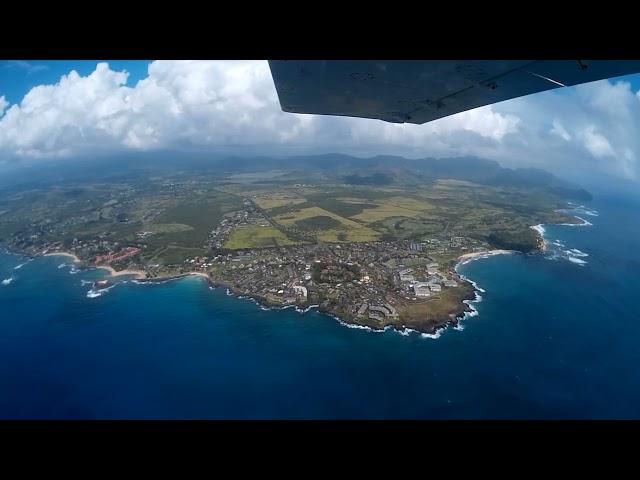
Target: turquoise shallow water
553,339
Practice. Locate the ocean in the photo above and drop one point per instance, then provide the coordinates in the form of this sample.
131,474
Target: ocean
557,335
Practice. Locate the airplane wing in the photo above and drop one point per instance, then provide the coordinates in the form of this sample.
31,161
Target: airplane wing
419,91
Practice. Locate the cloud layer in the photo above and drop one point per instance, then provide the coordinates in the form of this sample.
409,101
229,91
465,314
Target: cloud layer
210,104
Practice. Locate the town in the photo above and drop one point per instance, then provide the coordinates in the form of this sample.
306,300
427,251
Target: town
374,256
377,284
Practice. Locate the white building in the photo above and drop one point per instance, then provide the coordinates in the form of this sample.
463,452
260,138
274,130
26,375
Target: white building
421,290
300,290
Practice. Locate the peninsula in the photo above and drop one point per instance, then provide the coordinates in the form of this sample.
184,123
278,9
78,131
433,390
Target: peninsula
374,242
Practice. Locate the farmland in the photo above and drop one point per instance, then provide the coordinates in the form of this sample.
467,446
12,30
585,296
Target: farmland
342,230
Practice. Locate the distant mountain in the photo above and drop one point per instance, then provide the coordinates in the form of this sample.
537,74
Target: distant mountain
379,170
387,170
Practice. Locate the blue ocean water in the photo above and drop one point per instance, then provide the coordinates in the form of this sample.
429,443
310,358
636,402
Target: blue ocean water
554,338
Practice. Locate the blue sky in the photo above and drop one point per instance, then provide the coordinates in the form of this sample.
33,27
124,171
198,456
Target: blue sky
20,76
216,105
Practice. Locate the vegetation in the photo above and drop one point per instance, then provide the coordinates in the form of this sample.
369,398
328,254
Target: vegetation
173,211
256,236
321,222
521,240
353,231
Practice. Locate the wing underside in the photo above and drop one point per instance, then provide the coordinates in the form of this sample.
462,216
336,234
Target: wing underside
419,91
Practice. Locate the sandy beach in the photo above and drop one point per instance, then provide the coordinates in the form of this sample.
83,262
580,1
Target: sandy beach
63,254
138,274
199,274
486,253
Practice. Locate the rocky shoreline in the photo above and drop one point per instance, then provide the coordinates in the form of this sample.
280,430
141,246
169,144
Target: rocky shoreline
429,327
421,324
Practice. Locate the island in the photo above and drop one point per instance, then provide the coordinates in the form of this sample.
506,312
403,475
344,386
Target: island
373,242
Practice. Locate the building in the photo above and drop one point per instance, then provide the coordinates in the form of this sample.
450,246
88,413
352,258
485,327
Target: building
380,311
416,247
300,290
421,290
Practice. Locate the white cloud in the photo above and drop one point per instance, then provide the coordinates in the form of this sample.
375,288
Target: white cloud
198,103
559,130
597,144
3,105
208,104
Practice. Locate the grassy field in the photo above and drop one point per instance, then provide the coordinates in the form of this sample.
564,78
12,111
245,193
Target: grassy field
393,207
436,307
158,228
321,222
348,230
201,215
173,255
182,208
278,200
255,236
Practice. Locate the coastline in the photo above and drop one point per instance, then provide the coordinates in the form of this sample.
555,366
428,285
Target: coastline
63,254
431,328
470,310
139,274
112,271
115,273
469,257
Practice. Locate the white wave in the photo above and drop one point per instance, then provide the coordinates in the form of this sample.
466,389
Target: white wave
85,282
97,293
63,265
432,335
159,282
73,270
540,229
305,310
7,281
473,312
409,331
360,327
576,260
585,223
577,253
477,287
18,267
591,213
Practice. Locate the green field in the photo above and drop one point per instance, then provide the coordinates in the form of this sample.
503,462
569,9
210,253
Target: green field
347,231
393,207
181,208
278,200
321,222
256,236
